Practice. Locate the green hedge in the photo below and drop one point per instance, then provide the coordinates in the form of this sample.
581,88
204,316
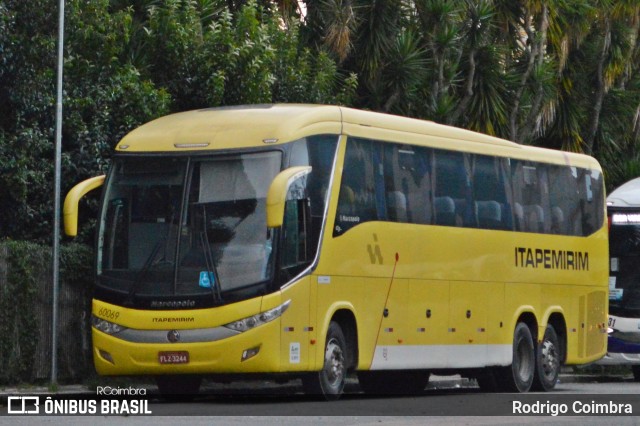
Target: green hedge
26,310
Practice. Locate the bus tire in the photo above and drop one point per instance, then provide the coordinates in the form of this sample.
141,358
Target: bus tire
329,381
548,358
178,388
393,382
518,377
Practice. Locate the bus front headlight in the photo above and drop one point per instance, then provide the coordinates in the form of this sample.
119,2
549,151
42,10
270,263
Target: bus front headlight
106,326
258,319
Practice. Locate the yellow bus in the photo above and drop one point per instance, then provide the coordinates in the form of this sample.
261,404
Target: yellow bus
314,242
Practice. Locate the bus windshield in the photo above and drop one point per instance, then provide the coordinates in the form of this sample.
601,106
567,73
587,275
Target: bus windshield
186,228
624,248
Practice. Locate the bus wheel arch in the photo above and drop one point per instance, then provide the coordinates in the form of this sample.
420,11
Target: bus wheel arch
347,321
519,375
557,321
339,357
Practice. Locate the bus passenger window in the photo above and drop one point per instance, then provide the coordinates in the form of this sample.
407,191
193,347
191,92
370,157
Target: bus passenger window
357,199
564,197
531,195
518,217
534,218
557,221
490,193
452,180
319,153
595,207
445,210
397,206
408,183
489,214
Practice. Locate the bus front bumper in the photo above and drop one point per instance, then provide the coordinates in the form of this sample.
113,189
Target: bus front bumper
252,351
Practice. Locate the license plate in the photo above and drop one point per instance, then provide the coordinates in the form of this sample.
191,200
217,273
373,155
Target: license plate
175,357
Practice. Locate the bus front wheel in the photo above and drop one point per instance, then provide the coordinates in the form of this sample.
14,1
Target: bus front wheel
548,358
329,381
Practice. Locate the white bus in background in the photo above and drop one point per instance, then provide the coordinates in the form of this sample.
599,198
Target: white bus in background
623,211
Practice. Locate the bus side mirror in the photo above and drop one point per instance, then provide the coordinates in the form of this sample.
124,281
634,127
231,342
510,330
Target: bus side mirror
280,190
70,209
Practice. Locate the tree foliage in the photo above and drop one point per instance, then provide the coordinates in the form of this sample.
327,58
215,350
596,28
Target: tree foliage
127,62
562,74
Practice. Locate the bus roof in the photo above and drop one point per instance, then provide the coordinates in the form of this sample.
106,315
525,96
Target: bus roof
626,195
232,127
256,125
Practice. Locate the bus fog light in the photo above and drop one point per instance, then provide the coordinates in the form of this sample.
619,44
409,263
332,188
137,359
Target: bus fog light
106,356
249,353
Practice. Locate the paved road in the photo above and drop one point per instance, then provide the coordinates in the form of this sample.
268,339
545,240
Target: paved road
442,403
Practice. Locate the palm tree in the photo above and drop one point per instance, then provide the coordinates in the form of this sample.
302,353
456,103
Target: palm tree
439,23
476,31
617,28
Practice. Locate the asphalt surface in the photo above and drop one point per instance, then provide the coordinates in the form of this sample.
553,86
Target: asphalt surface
264,387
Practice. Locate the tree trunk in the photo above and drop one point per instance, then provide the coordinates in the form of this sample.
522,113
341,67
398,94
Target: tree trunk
536,58
599,93
515,112
462,106
534,113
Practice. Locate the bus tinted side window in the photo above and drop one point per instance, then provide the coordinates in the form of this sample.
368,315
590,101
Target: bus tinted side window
452,189
357,200
593,213
412,184
565,201
530,196
490,189
576,200
555,199
408,183
317,152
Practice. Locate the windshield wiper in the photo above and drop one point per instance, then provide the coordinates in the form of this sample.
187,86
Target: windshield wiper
143,271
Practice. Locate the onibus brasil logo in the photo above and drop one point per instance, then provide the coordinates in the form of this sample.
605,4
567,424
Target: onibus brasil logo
35,405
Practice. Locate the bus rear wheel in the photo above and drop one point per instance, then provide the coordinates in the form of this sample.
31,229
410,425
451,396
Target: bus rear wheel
329,381
548,358
518,377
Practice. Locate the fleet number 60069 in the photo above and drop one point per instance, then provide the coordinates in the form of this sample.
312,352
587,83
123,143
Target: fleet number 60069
108,313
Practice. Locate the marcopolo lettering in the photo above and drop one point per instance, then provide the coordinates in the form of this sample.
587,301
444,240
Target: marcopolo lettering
526,257
174,304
